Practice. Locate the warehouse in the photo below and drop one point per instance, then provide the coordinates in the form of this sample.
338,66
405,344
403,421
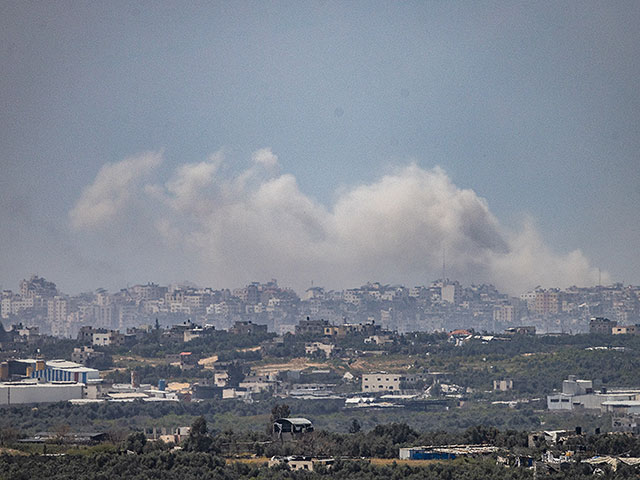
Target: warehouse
447,452
287,428
30,391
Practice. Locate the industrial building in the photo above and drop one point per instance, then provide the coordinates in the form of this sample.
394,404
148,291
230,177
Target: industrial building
51,371
580,394
38,381
62,370
31,391
446,452
622,407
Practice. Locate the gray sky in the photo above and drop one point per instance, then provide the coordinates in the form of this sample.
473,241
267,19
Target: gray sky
338,142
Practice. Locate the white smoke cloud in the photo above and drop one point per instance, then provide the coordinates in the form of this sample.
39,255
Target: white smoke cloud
265,157
114,187
258,224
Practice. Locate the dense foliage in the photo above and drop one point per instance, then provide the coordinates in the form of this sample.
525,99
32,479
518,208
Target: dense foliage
326,415
194,465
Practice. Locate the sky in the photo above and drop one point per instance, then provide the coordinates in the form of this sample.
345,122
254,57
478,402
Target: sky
327,142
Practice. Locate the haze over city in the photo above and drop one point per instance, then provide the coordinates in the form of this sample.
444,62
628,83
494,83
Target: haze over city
323,142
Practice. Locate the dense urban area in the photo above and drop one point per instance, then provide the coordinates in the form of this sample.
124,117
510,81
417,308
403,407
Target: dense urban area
437,381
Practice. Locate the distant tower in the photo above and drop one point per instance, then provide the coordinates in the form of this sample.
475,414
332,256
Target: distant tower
444,281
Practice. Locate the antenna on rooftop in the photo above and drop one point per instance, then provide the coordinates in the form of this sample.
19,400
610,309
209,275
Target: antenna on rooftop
599,277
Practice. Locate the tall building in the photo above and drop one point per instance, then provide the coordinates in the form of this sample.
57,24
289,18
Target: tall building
601,325
37,286
57,310
548,302
452,293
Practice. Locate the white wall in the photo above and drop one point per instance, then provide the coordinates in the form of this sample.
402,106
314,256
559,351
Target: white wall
17,394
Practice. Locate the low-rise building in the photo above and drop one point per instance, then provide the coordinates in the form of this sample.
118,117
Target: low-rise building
503,385
290,428
313,347
177,436
192,334
626,423
381,382
256,386
311,327
390,382
621,407
236,393
523,330
580,394
601,325
247,328
85,354
551,437
625,330
188,360
107,338
296,462
378,339
445,452
32,391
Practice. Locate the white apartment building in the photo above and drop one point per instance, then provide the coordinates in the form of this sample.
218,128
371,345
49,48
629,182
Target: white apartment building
381,382
353,296
57,309
180,308
15,305
529,298
107,338
505,313
451,293
389,382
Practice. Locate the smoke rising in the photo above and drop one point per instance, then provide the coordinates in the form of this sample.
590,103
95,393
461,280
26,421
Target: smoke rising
258,224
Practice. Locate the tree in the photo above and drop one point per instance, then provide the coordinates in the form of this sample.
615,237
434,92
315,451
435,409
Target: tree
235,373
199,439
135,442
279,410
355,426
61,432
8,435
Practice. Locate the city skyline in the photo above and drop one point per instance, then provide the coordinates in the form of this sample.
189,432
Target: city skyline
320,142
441,305
187,284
